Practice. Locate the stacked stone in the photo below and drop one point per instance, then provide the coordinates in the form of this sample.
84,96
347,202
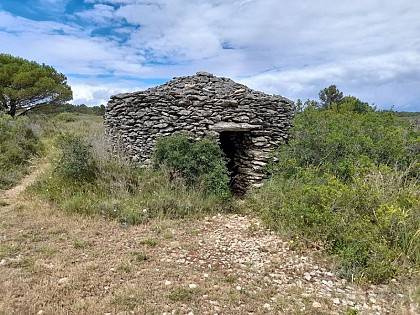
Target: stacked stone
202,104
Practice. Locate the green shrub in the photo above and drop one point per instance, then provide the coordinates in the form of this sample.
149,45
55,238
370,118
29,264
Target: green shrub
128,194
199,163
370,224
346,143
351,183
65,117
76,161
18,145
119,189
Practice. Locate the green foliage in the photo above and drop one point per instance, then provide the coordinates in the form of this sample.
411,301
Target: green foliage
81,109
330,95
199,163
65,117
332,98
25,84
346,143
352,104
371,224
349,182
128,194
181,294
139,256
18,145
49,109
76,161
81,244
149,242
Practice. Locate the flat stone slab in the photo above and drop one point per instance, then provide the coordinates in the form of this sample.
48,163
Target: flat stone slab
231,126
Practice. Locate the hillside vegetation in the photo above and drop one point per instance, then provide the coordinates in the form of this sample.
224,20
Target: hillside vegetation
347,182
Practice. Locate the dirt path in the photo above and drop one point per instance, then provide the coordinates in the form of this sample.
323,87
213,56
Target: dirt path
52,263
12,195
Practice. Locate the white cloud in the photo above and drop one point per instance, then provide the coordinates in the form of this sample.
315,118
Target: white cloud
68,48
369,78
18,25
294,48
101,14
94,92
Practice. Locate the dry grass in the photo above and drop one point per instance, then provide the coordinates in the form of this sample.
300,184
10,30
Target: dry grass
53,263
82,265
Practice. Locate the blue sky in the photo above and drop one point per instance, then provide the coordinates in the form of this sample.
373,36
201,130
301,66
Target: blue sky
369,49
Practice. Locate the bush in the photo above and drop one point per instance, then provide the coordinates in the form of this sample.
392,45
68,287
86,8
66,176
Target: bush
199,163
349,182
345,143
65,117
370,224
18,145
76,161
119,189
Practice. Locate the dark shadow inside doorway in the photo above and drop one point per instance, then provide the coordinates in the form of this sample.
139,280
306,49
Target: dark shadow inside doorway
232,144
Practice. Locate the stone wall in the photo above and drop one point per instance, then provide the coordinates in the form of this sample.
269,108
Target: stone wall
248,124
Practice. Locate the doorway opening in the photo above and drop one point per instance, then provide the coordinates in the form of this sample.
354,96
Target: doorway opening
233,145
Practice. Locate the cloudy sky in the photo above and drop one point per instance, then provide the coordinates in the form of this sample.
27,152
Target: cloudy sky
368,48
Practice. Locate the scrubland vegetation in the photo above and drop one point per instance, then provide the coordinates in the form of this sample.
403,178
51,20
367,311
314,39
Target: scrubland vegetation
346,182
349,183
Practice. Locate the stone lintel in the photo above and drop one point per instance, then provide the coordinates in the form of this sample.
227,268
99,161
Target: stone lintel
231,126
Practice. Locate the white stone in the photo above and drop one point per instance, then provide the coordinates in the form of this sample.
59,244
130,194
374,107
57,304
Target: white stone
192,286
316,304
267,306
167,282
63,280
336,301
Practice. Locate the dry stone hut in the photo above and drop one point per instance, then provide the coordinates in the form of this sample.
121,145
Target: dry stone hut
248,124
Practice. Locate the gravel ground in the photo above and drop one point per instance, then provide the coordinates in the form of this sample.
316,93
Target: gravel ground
53,263
260,259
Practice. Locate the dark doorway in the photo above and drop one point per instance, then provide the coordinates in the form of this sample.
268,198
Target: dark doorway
232,144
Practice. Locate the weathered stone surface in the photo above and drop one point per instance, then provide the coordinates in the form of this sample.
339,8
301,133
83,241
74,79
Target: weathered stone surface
232,126
248,124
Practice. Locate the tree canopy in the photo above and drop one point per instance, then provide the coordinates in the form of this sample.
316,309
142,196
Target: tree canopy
332,98
353,104
330,95
26,84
